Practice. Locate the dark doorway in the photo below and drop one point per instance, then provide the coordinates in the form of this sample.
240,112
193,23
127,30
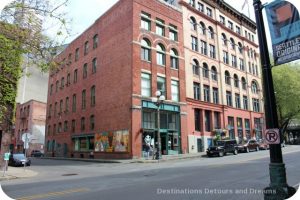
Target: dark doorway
199,145
164,145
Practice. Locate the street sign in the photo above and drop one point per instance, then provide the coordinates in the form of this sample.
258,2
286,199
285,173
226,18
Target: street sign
272,136
6,156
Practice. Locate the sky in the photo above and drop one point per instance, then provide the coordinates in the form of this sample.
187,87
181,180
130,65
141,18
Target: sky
84,12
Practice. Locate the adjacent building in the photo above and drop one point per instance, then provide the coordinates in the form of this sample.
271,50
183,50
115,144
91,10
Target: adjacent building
201,55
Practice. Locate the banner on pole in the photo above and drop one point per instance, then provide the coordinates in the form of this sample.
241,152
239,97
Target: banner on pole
284,22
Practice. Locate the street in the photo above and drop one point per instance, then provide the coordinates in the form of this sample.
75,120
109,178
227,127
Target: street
230,177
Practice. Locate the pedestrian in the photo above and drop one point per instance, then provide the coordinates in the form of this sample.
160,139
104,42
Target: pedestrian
147,149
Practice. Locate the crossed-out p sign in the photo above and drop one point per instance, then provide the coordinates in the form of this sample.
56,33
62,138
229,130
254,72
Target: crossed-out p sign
272,136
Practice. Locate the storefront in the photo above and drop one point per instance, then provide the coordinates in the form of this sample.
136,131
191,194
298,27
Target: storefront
169,128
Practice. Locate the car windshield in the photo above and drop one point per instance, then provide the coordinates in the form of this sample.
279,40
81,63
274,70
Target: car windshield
19,156
220,143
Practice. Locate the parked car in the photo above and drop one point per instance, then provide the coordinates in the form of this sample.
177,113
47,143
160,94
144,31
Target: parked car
18,159
250,145
263,145
36,153
222,148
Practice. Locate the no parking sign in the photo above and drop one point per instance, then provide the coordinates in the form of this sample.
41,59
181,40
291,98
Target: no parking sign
272,136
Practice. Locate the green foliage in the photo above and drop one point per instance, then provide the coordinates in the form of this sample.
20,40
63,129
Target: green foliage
286,80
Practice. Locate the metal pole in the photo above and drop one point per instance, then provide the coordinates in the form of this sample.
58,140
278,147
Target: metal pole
278,188
158,131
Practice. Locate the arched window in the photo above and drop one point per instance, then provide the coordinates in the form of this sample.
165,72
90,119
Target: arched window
254,87
174,58
145,50
236,80
196,68
240,47
205,70
224,39
160,55
211,32
244,83
227,78
193,23
214,75
232,43
202,28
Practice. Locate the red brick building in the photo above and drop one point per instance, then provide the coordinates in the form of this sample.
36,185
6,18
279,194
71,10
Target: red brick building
99,97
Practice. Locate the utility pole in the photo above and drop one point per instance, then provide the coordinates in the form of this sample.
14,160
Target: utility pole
278,188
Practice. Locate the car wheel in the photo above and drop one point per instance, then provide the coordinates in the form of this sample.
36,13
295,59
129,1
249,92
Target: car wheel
221,154
235,152
247,150
257,148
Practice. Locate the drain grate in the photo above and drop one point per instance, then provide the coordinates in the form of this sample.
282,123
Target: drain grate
69,174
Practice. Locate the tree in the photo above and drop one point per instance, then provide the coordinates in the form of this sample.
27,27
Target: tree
23,31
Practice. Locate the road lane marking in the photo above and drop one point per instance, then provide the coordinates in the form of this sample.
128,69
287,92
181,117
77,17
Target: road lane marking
52,194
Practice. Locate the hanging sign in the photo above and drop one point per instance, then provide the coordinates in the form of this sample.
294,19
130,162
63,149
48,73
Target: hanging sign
284,23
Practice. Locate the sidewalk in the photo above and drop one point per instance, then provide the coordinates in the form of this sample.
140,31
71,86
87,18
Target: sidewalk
16,172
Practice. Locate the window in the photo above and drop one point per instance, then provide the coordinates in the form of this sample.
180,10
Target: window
206,93
68,79
202,28
76,54
196,91
160,55
92,122
209,12
67,105
175,90
196,68
227,78
222,20
232,43
84,71
94,65
146,85
73,125
228,98
86,47
145,50
225,57
210,32
82,124
215,95
236,80
245,102
75,76
250,70
192,3
55,109
61,107
56,86
254,87
255,105
95,41
193,23
161,85
200,7
59,130
173,33
194,43
238,30
93,96
242,66
246,34
74,103
203,48
224,39
237,101
207,120
62,83
233,61
174,59
146,21
83,99
205,70
50,110
54,129
217,121
214,75
65,126
244,83
252,38
230,25
256,70
240,47
149,120
160,27
197,119
69,58
49,130
212,51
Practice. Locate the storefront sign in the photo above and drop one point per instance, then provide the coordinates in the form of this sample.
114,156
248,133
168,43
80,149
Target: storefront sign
284,23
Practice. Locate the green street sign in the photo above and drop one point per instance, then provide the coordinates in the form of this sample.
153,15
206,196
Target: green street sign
6,156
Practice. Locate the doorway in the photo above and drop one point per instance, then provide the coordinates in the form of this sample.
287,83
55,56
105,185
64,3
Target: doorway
199,145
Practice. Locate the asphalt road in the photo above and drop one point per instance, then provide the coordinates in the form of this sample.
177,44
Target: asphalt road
230,177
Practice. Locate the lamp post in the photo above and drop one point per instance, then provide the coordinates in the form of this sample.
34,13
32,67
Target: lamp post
158,100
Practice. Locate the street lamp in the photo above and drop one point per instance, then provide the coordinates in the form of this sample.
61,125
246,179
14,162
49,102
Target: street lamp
158,100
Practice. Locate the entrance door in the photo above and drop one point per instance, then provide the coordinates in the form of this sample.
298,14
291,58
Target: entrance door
164,150
199,145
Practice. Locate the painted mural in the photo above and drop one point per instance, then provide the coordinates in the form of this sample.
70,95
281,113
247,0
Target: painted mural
112,141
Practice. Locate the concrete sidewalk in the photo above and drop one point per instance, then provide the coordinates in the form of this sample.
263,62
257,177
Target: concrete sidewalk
17,172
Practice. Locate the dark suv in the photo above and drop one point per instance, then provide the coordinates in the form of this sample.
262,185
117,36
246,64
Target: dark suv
222,148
